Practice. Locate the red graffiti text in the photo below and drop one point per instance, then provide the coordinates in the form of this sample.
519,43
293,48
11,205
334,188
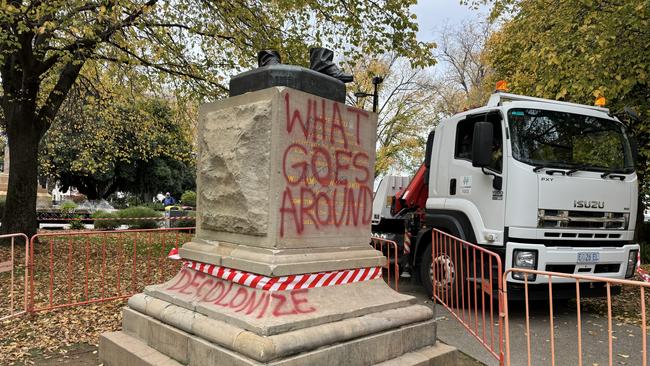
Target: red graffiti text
325,167
208,289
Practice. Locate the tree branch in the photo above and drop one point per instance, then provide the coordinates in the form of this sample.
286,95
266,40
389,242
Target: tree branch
71,70
82,45
177,71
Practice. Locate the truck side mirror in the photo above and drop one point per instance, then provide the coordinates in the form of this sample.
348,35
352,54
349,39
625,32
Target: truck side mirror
482,144
427,156
429,148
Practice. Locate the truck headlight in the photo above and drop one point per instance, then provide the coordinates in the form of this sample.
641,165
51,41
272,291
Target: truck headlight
631,263
524,258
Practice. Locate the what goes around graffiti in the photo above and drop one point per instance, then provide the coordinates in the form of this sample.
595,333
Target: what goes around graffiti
325,167
241,299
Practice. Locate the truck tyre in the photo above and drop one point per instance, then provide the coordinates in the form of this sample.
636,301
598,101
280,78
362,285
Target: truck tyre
448,275
426,271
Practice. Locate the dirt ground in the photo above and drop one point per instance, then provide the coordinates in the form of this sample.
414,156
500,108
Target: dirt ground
65,336
81,354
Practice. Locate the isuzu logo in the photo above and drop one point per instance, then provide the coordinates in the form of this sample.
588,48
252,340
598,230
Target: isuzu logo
588,204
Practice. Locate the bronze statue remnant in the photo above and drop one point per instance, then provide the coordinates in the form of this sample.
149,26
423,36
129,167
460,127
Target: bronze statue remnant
320,59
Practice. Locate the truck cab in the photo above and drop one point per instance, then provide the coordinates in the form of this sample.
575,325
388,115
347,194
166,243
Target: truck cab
547,185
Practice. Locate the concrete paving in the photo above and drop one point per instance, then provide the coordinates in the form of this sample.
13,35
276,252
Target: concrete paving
626,344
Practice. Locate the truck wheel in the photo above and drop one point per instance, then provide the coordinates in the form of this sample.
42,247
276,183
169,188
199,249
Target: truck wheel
449,278
426,271
445,272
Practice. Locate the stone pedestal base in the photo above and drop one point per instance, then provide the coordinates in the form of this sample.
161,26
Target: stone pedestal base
150,342
198,320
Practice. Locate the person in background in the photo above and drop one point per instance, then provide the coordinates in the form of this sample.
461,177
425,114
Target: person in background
168,200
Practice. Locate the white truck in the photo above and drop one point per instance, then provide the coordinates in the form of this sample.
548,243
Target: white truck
546,185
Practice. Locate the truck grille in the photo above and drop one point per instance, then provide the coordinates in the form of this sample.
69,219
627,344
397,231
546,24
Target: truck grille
565,219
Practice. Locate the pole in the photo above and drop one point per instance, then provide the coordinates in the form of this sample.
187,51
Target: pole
375,99
375,96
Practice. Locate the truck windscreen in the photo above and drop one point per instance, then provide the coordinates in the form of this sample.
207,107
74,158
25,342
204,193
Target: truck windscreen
566,140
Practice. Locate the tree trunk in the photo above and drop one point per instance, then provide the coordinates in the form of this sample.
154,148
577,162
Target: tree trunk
147,197
20,208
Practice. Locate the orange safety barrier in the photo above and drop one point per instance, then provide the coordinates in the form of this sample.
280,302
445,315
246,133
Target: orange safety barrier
14,271
579,280
466,280
76,268
390,249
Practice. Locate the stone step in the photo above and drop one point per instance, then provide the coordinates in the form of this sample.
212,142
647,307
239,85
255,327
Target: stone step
121,349
439,354
188,349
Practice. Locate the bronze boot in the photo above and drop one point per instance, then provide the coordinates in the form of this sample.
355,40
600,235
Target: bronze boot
321,60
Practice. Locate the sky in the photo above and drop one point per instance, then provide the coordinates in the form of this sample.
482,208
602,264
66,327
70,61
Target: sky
434,14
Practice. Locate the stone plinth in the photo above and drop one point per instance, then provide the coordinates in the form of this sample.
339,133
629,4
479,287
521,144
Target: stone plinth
282,272
285,183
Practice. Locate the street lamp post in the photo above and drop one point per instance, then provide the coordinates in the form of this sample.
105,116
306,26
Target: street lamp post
375,95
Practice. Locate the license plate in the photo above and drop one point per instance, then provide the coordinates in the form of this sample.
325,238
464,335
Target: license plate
588,257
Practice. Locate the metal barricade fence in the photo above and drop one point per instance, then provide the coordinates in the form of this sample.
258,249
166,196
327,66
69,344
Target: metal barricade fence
467,282
391,251
76,268
14,274
581,356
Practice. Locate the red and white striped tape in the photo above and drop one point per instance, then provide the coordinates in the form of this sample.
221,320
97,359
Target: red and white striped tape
156,218
407,242
283,283
645,276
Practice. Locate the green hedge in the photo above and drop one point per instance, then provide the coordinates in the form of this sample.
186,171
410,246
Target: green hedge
186,223
106,224
136,212
68,207
189,198
77,224
158,206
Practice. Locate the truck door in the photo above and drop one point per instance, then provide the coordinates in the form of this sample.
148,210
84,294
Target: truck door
475,195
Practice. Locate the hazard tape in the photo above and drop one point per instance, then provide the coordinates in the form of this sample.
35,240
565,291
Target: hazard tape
645,276
118,218
283,283
407,242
